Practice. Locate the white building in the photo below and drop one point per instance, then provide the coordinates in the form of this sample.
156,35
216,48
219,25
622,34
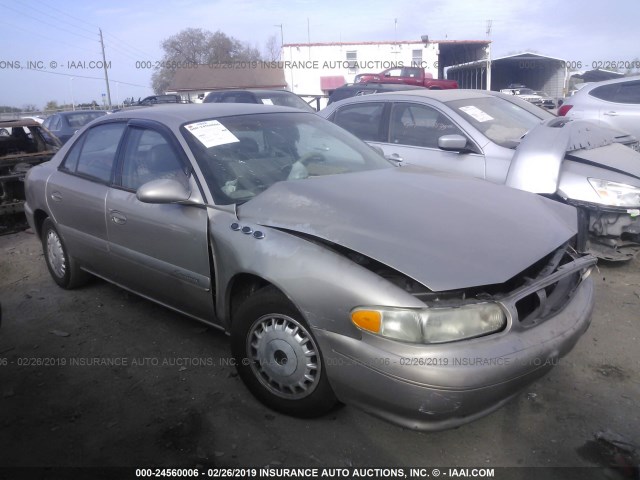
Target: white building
319,68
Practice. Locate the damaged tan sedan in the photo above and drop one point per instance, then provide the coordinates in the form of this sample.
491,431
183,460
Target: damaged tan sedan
424,298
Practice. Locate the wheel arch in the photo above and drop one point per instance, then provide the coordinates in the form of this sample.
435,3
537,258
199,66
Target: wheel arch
241,287
39,216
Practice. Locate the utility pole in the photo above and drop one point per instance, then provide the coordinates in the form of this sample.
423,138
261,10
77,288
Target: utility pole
106,75
489,22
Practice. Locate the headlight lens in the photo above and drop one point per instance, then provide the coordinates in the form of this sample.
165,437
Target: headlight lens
431,325
617,194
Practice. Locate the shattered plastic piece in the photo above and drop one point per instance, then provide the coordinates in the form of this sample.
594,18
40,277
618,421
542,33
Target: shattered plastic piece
616,440
634,212
59,333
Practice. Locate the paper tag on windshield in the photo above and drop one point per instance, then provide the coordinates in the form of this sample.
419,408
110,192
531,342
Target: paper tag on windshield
267,101
476,113
211,133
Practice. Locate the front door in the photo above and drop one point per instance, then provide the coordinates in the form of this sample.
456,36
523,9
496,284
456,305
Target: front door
159,250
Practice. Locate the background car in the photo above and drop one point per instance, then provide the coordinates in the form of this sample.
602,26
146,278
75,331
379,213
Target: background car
283,98
23,144
65,124
614,103
504,139
538,98
358,89
160,99
257,220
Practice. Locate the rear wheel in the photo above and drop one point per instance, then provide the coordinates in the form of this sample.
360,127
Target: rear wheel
278,358
63,268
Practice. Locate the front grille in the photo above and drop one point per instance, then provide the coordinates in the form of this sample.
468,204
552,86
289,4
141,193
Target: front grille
536,307
547,293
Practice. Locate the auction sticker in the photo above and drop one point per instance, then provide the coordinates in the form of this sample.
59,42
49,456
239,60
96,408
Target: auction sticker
211,133
476,113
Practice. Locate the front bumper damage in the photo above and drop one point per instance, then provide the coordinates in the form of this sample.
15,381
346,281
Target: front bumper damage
613,233
439,386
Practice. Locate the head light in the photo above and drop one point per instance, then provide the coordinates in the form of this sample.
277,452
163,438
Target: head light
617,194
431,325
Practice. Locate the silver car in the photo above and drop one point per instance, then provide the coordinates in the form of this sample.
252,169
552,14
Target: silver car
424,298
613,103
507,140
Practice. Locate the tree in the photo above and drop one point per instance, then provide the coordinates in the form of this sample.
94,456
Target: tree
52,105
194,46
272,49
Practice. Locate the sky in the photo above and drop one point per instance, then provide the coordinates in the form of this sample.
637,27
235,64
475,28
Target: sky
60,38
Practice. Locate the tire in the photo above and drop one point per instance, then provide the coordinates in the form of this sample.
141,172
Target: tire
63,268
277,357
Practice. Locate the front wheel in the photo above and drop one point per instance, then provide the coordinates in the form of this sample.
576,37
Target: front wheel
63,268
277,357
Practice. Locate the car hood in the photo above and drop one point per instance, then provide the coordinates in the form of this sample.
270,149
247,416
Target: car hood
536,164
443,231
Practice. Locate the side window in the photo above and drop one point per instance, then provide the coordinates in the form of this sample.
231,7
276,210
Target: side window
56,123
95,154
362,119
411,72
419,125
149,156
395,72
629,92
605,92
213,98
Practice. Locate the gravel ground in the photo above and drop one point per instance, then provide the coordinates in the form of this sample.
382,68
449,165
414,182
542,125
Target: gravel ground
100,377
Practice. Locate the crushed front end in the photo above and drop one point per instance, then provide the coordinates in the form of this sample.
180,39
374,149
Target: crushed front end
433,386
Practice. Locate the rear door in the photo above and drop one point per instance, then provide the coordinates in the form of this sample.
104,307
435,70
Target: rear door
77,191
159,250
622,107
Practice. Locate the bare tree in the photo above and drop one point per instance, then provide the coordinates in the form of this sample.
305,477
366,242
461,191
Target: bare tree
272,49
195,46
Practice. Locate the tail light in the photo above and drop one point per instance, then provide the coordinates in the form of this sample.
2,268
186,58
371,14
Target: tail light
562,111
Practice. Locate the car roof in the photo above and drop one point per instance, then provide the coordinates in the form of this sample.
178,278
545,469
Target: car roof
252,90
72,112
416,95
175,115
23,122
441,95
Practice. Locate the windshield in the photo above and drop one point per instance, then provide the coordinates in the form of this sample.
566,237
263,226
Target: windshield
501,121
80,119
284,99
244,155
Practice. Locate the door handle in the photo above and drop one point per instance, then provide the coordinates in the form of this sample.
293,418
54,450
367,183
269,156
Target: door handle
118,217
56,196
611,114
394,157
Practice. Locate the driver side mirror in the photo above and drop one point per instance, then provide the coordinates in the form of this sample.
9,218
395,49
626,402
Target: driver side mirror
164,191
452,143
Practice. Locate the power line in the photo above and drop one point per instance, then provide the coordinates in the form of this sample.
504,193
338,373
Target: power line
47,23
85,76
51,39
